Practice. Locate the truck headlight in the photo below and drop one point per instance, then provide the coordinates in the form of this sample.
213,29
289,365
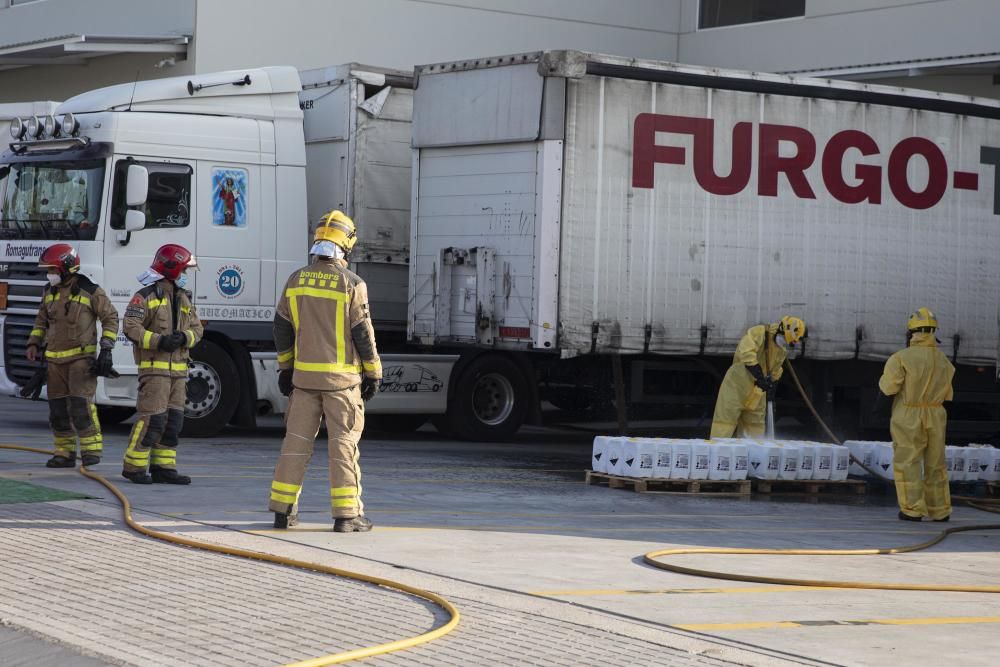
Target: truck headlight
69,125
17,128
49,126
34,127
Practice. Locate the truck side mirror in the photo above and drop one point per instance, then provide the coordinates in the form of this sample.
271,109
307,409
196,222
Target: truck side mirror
136,187
135,220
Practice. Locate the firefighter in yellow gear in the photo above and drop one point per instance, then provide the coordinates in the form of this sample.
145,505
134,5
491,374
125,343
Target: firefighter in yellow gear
163,325
328,366
919,378
66,327
757,367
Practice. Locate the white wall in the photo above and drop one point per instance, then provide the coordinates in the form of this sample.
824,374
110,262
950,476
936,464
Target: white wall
404,33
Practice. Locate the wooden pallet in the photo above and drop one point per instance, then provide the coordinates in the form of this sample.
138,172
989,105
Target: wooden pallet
657,485
810,487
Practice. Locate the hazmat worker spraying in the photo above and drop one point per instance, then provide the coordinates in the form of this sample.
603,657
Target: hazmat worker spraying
757,367
919,379
328,366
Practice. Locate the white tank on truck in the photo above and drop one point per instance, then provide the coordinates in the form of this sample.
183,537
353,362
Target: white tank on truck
572,207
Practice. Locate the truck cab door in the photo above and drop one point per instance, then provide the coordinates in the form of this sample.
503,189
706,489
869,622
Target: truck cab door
169,218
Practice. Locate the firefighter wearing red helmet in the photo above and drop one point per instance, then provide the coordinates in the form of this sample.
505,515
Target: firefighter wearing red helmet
66,329
163,325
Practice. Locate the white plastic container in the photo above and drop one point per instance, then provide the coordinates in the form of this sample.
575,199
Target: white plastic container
599,456
949,462
741,461
639,457
989,462
882,457
765,460
864,451
958,465
615,454
807,460
841,463
788,465
972,457
992,474
681,468
628,454
823,461
720,461
701,454
664,459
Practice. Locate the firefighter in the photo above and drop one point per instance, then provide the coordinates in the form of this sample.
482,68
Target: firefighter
66,328
919,378
163,325
328,366
757,367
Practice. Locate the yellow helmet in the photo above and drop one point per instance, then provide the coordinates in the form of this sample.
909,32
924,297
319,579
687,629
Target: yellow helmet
337,228
794,328
921,318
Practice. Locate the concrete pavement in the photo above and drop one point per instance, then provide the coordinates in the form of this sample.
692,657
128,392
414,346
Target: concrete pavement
530,554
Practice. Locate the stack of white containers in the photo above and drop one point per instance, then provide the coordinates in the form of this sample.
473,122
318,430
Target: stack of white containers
964,464
718,460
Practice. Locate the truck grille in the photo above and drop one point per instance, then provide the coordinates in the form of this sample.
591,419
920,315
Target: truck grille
25,284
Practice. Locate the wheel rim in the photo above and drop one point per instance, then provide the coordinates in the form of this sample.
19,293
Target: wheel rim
492,399
204,390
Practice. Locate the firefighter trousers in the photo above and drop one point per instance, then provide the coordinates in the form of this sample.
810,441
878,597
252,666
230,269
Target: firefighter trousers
345,420
72,413
160,409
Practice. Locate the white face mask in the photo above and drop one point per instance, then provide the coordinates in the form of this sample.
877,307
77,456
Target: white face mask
780,340
54,278
181,281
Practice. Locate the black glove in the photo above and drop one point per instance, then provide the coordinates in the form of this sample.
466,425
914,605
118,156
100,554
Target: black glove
368,388
765,383
33,387
172,342
285,381
102,366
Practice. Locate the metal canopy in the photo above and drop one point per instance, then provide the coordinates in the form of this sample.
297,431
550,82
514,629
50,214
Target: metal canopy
78,49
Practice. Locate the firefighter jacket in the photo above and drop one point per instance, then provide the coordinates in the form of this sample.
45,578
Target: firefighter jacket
66,321
157,311
323,328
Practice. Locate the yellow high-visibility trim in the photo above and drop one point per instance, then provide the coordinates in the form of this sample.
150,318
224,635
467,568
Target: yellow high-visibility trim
156,303
316,292
340,491
113,335
295,313
147,337
36,333
165,365
164,460
284,486
326,368
344,502
286,356
49,354
284,498
185,309
82,300
49,298
341,316
93,447
190,337
322,282
93,418
312,281
371,367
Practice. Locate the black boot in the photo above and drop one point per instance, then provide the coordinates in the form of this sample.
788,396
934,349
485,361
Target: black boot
359,524
906,517
283,521
88,460
168,476
137,477
60,461
942,520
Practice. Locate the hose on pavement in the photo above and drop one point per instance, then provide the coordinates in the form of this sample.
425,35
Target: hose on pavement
331,659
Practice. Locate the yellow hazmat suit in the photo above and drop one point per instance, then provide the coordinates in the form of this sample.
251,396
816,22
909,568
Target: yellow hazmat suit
920,379
740,406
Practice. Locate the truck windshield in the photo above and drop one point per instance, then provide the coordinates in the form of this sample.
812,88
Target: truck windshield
51,200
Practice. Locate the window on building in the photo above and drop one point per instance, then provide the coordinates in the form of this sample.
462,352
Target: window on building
168,201
718,13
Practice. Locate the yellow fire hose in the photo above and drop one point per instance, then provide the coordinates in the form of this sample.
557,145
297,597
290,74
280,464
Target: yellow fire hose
333,658
651,557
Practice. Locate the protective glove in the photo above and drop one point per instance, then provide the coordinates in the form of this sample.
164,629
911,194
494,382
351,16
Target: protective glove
369,386
33,387
172,342
102,366
765,383
285,381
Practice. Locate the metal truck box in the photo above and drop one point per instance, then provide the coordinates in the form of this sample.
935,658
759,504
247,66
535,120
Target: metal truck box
639,206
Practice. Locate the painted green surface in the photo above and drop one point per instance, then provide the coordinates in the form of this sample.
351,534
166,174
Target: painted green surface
22,492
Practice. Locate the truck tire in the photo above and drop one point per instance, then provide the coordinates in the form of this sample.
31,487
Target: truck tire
490,400
109,415
213,390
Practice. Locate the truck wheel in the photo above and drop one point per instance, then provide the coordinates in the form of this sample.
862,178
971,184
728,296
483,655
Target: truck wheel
490,400
109,415
212,390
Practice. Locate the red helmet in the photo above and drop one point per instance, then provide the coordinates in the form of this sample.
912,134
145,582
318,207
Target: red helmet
60,256
171,260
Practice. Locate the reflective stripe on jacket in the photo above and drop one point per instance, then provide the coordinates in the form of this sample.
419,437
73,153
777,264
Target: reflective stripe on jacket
67,319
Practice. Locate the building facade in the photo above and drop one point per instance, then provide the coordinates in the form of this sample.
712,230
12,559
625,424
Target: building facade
53,49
